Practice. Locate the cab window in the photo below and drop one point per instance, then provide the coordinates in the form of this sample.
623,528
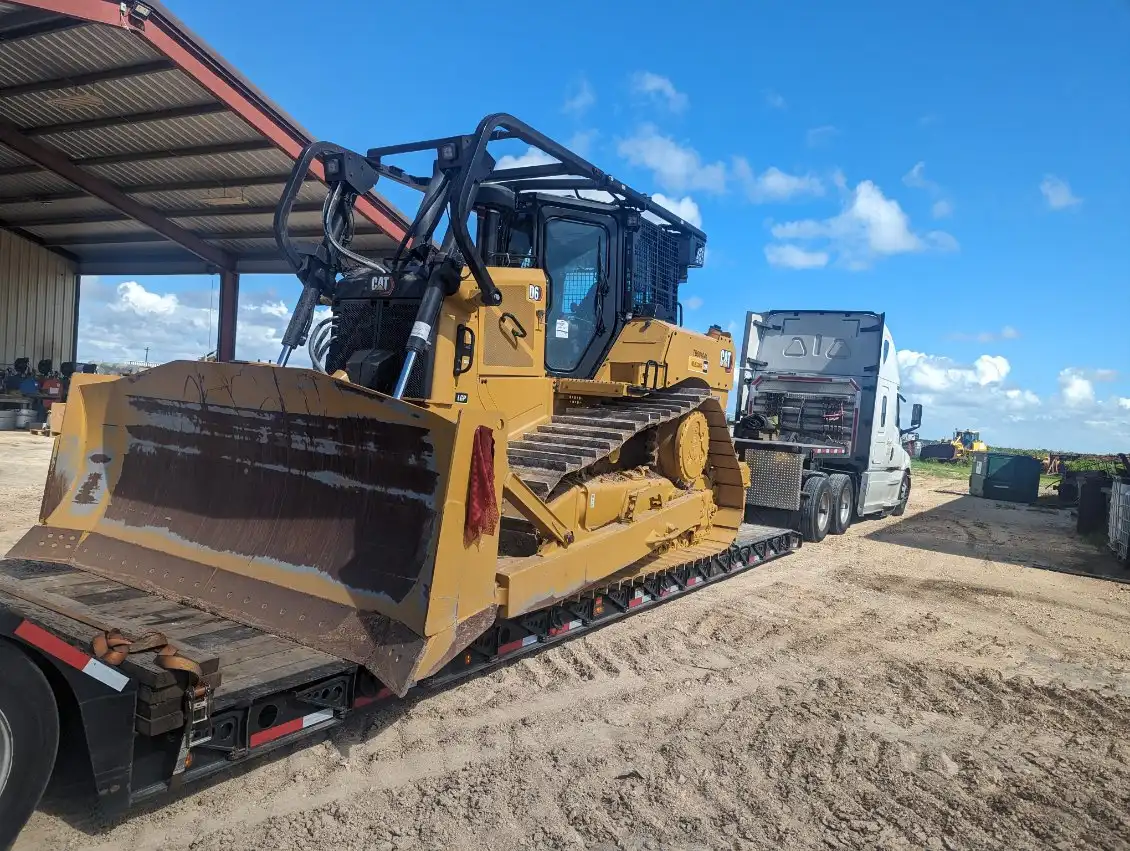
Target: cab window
575,259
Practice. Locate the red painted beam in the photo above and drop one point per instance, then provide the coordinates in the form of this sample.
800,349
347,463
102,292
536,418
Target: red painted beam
54,160
167,38
229,310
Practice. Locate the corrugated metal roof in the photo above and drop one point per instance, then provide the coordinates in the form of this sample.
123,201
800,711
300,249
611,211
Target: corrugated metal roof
103,99
226,167
120,110
71,52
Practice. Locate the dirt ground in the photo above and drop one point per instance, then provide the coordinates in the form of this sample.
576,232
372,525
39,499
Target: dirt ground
913,684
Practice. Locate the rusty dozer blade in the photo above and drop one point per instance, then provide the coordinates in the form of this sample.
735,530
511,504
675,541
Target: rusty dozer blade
280,498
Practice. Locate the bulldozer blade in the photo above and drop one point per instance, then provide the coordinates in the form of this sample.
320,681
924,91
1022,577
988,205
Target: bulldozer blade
280,498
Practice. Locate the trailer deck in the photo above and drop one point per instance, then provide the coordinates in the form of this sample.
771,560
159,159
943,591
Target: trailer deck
138,722
239,662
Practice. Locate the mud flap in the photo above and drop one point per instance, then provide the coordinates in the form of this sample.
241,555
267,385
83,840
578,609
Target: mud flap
280,498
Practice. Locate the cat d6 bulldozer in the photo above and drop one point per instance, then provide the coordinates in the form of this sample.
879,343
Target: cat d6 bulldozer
496,420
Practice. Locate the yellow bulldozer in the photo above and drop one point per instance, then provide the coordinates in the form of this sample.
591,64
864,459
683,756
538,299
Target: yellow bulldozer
963,442
499,427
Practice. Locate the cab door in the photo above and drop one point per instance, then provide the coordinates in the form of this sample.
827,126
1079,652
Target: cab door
578,253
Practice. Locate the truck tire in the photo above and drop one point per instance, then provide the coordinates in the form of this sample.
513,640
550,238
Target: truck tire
904,496
815,509
29,739
843,502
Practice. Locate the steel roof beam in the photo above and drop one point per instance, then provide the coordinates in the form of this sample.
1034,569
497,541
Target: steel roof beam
166,35
33,22
119,120
139,238
31,237
75,80
129,157
144,188
54,160
190,213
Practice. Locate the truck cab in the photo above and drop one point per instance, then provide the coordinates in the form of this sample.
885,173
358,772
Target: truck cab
818,398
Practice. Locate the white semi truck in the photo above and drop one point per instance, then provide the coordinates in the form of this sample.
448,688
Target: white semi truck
817,418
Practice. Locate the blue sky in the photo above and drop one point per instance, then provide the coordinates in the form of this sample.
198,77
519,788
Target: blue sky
963,167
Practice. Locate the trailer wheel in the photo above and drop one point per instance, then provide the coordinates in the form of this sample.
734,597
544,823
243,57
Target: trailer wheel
843,502
815,509
29,739
904,496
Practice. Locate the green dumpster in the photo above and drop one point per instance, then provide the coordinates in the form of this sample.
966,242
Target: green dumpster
998,475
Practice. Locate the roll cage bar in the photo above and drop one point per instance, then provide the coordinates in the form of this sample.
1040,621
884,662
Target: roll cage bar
462,166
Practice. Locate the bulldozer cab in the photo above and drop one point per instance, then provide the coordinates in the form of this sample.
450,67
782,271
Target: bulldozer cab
967,438
608,254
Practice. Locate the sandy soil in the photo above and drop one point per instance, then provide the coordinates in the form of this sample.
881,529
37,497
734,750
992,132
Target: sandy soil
913,684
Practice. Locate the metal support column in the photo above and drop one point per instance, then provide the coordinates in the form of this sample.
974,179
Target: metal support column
229,307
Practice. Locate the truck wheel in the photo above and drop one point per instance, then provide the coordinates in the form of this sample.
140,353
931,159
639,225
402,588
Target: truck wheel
904,496
815,509
843,502
29,738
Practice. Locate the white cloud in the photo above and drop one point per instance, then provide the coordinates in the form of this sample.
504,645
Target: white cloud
134,298
659,88
581,142
117,324
869,227
774,99
916,178
979,395
1075,388
774,184
1005,333
1057,192
822,135
693,303
580,98
685,208
532,156
677,168
942,209
791,257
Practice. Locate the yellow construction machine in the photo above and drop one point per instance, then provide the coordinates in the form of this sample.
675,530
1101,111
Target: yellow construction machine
500,428
963,442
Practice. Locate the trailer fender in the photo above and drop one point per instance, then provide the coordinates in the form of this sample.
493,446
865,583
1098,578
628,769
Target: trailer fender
96,702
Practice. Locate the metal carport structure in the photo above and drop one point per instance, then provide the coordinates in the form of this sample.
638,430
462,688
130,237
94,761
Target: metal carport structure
127,146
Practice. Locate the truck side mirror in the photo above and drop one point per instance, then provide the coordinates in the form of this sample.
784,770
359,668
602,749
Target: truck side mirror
915,417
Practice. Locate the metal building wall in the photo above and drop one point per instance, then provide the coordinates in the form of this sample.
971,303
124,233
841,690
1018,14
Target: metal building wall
38,303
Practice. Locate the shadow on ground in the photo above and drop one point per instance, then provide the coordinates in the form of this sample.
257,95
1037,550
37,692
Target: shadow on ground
1036,536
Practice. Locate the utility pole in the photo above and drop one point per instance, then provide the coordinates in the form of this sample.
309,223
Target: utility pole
147,356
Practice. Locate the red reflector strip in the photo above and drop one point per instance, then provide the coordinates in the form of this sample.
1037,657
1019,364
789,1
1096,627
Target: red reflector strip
366,699
288,727
557,630
511,646
50,644
694,580
636,601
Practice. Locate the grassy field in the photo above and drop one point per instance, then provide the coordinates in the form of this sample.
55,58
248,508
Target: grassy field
959,470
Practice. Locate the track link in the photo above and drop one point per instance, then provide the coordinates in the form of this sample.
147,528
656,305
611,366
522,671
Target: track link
580,437
596,607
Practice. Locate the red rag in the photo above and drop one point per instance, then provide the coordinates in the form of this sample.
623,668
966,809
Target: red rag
482,504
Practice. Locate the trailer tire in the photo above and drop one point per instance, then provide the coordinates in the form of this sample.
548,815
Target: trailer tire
904,497
843,502
815,509
29,739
